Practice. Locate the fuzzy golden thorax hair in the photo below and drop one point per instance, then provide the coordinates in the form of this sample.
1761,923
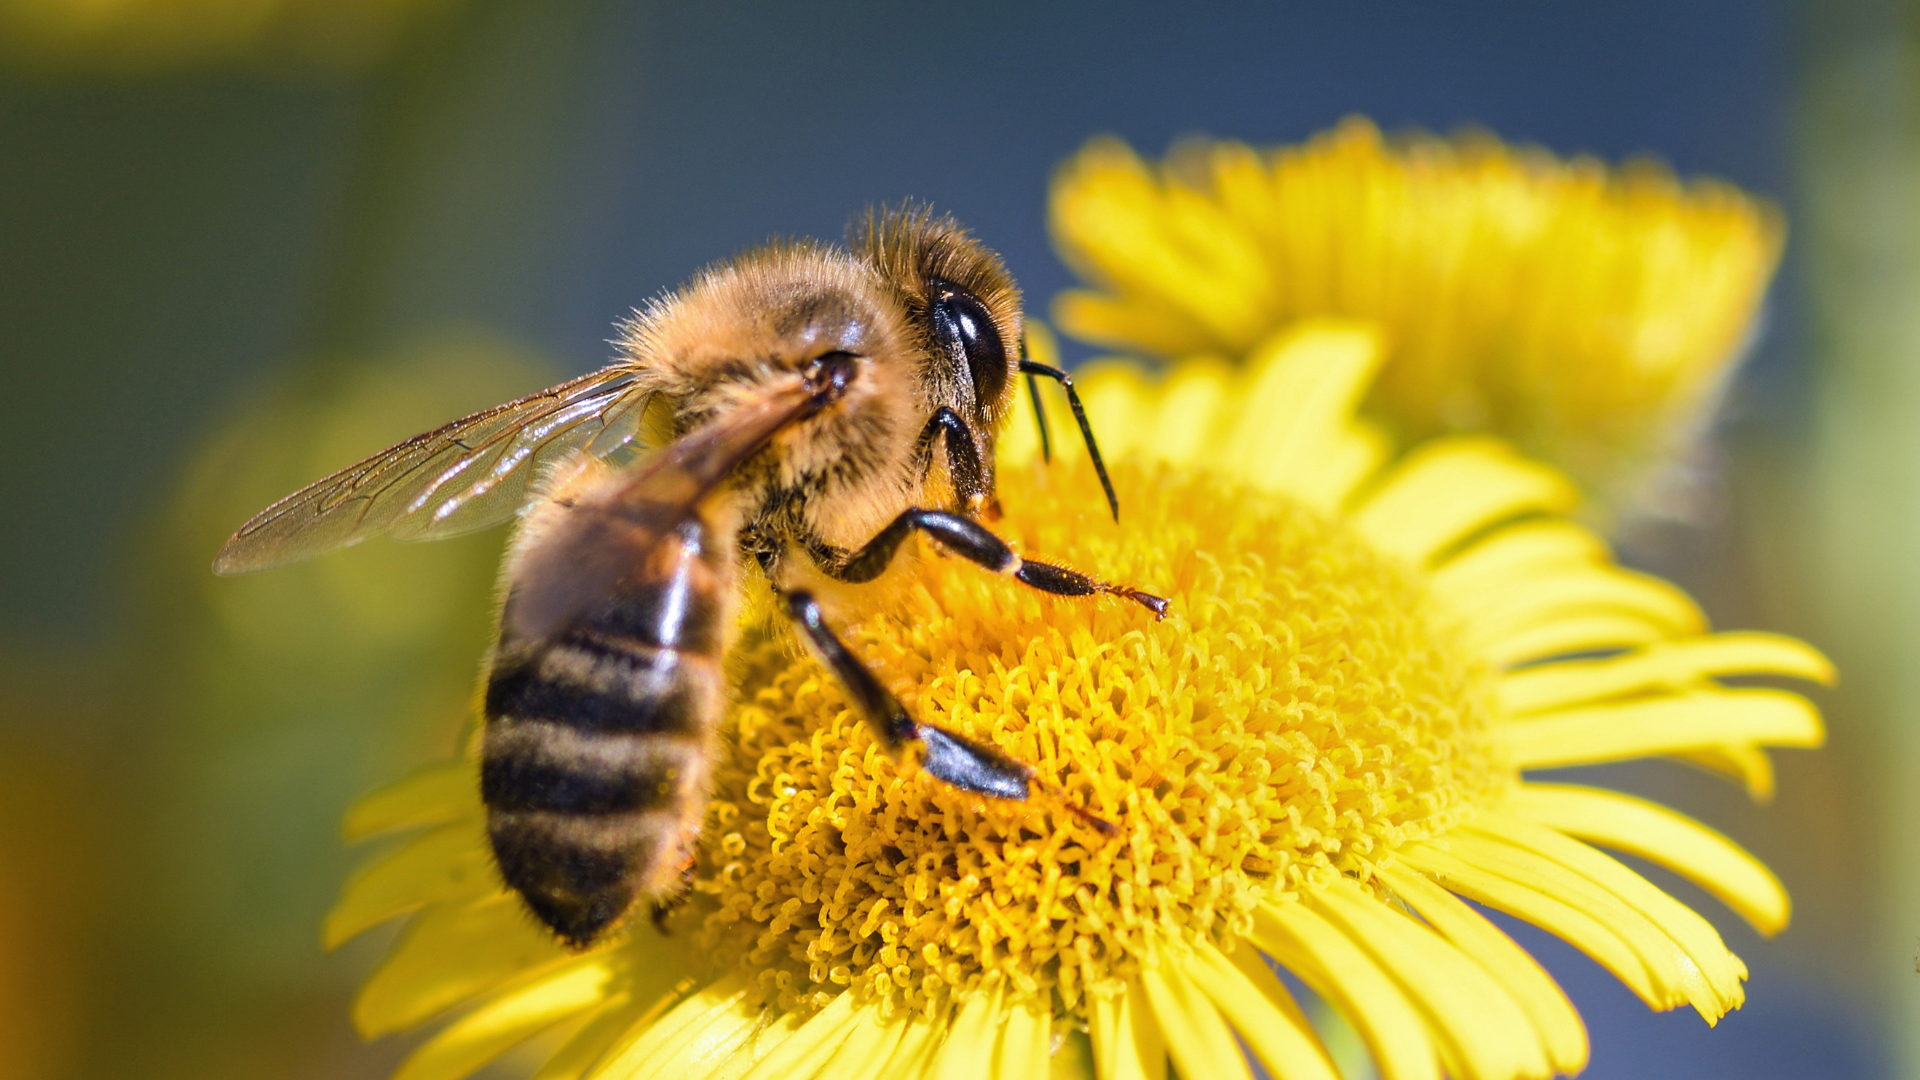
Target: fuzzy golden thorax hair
838,477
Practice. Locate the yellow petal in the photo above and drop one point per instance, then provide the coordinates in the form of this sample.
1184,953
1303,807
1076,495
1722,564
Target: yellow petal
1258,1006
1659,835
1119,403
912,1057
715,1015
1072,1059
1225,276
1191,401
449,953
801,1056
1122,227
620,1016
1746,763
450,863
967,1053
1694,935
1492,1037
431,796
508,1020
1549,912
1293,412
1674,972
1105,320
1448,489
863,1052
1345,464
1341,972
1112,222
1127,1044
1661,725
720,1044
1580,592
1026,1042
728,1053
1514,555
1667,666
1591,632
1197,1038
1553,1016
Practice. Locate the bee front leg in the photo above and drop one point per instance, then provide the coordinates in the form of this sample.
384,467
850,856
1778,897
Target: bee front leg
974,542
972,485
952,758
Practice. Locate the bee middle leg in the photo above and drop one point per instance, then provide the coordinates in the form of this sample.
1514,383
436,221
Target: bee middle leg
974,542
952,758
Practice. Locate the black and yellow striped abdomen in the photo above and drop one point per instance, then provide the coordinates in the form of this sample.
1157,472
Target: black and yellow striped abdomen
595,760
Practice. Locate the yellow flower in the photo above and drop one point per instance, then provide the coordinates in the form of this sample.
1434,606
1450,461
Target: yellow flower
1309,762
1590,316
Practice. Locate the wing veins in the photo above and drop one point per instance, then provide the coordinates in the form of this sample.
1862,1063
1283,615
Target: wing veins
516,450
419,471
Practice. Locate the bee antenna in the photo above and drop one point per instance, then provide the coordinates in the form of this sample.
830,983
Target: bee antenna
1039,414
1031,368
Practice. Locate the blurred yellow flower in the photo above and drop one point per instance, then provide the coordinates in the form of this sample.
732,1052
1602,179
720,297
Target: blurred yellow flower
1310,762
1591,316
148,35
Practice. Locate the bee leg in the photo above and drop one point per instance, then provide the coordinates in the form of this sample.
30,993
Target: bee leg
952,758
664,908
971,485
973,541
663,911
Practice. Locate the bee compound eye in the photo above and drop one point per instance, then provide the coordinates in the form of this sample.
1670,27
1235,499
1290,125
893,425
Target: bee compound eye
967,335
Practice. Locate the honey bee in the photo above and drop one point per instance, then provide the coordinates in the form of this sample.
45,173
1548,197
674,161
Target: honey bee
813,406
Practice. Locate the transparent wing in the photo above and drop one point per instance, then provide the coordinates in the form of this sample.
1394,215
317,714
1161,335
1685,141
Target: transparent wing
467,475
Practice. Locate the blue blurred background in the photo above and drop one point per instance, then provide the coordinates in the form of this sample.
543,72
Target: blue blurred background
243,242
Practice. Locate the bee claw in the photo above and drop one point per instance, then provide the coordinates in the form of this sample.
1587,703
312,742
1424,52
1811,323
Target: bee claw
1156,604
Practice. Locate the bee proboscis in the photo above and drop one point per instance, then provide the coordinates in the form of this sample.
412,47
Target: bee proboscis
816,402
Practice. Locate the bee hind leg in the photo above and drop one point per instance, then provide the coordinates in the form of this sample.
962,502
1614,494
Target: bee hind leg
665,907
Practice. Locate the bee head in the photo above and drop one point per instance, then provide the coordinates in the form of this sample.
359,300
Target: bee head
962,304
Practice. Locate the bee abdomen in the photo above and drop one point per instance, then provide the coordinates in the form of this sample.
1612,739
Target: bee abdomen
537,764
593,683
593,771
580,873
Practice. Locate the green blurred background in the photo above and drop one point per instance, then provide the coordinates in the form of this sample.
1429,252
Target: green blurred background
243,242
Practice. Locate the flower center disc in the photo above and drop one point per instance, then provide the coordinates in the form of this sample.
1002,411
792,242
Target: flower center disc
1298,713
